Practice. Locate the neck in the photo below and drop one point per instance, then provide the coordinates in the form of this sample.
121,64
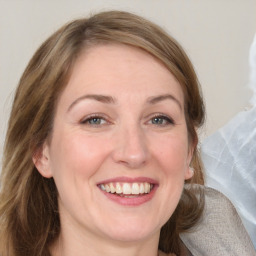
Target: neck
81,245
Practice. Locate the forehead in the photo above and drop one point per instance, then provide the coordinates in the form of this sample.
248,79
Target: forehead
118,68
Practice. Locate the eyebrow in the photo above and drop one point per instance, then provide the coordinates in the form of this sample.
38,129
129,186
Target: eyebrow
159,98
110,100
97,97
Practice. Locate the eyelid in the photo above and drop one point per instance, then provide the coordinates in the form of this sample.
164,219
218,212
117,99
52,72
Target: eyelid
94,115
169,119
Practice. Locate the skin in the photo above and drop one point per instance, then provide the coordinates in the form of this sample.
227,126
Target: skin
133,134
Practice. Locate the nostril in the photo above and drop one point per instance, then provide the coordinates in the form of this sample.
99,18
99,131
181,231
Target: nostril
131,151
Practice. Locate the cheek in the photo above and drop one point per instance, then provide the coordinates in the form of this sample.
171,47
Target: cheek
74,161
171,153
78,154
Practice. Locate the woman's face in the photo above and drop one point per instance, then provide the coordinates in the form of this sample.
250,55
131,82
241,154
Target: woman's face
119,150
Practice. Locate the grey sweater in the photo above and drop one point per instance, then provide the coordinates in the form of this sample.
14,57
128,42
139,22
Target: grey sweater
221,232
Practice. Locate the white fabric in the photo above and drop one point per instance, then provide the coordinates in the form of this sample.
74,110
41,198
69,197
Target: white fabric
229,157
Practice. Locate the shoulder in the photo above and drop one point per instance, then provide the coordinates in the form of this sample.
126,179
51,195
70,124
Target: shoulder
220,231
218,207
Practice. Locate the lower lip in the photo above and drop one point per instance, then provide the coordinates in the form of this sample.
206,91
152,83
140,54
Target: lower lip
133,201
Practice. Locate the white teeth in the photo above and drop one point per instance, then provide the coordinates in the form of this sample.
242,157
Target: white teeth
102,187
142,189
127,188
135,189
118,188
112,188
107,188
147,187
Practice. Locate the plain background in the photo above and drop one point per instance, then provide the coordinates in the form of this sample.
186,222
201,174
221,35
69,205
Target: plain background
216,34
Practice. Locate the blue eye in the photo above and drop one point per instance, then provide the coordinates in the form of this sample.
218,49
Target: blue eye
161,120
94,121
157,120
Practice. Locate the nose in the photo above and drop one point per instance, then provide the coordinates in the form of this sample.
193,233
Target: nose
131,148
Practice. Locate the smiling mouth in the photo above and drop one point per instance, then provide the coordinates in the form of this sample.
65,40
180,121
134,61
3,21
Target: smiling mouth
125,189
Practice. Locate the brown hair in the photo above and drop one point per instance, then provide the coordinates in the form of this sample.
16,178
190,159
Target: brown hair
29,219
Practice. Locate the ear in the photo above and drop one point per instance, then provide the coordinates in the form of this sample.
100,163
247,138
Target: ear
190,170
189,173
41,159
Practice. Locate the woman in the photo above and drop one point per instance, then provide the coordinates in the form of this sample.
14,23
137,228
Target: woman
101,139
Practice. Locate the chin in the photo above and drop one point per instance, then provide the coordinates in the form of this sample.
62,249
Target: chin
132,232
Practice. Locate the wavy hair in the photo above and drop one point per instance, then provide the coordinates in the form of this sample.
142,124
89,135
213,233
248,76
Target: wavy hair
29,218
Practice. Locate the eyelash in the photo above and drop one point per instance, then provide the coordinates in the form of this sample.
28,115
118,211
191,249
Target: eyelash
167,119
87,120
164,118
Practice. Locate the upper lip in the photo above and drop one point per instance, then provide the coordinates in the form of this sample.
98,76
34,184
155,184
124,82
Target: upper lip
129,180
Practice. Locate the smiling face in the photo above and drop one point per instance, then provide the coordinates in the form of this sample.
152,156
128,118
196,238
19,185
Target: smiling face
119,151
